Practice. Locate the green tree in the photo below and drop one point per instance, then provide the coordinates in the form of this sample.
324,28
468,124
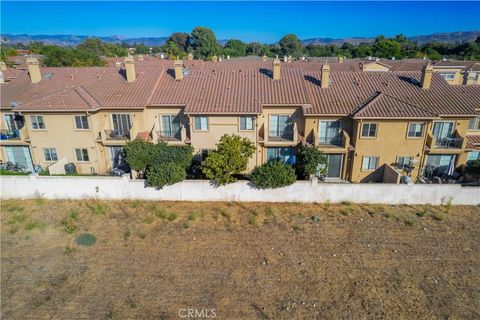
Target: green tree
181,40
386,48
310,161
139,154
254,49
290,45
204,42
165,173
235,48
273,174
229,159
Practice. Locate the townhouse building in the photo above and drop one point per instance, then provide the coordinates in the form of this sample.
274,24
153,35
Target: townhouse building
368,123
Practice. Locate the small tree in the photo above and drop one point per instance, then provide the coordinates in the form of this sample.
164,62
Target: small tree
473,167
166,173
230,158
139,154
273,174
311,160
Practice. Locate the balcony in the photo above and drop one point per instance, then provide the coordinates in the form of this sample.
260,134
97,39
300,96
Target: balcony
338,143
453,144
6,134
178,137
111,134
286,137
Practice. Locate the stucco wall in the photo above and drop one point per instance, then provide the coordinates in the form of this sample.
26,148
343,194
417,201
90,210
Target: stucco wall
22,187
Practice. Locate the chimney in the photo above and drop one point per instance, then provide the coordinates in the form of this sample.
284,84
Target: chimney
276,69
264,58
285,58
130,69
3,66
426,77
190,56
178,66
140,57
289,59
34,70
340,59
215,58
325,76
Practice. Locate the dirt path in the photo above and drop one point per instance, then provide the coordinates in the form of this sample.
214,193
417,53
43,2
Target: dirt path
289,261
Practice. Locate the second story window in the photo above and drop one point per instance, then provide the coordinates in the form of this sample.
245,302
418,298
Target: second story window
37,122
170,126
201,123
81,122
474,123
121,123
279,126
449,76
329,132
369,130
50,154
415,130
81,154
246,123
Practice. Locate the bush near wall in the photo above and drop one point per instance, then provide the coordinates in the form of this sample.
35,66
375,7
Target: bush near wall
273,174
166,173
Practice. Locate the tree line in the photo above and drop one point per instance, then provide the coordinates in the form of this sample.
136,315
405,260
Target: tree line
203,44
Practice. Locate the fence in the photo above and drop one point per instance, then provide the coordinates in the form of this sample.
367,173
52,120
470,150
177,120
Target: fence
25,187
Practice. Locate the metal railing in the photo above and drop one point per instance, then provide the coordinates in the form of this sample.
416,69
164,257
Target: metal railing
331,140
170,135
6,134
116,135
286,134
448,143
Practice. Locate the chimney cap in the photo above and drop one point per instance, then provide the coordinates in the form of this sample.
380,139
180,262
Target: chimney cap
325,67
129,59
31,60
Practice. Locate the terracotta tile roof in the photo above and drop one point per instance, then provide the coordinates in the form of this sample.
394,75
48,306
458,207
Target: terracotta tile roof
473,142
382,105
349,90
231,91
464,65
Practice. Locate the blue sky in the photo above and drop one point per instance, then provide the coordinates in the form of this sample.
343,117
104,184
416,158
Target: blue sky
248,21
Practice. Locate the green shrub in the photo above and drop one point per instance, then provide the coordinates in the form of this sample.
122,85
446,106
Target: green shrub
98,208
139,154
229,159
473,167
69,225
172,216
165,173
310,161
273,174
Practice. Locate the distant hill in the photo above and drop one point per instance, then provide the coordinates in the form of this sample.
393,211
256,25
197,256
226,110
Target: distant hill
73,40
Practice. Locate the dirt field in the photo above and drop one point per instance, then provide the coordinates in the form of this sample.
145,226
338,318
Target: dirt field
155,260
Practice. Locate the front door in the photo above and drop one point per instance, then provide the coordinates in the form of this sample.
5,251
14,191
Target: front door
20,156
334,165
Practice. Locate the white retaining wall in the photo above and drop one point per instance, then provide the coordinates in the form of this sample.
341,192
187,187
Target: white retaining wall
25,187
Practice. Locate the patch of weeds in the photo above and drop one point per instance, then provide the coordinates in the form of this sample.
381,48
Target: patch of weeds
186,225
371,212
192,216
388,214
229,203
14,207
172,217
160,213
410,221
68,250
327,203
134,204
148,219
13,229
16,217
126,234
34,225
346,203
422,212
73,214
39,199
438,216
142,235
347,211
253,220
224,213
297,228
315,218
448,205
269,211
255,212
98,208
86,239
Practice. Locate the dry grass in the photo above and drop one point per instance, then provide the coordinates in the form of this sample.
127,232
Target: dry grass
323,261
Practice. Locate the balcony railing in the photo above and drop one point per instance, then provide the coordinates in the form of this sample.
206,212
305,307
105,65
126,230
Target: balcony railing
336,140
280,135
448,143
169,135
111,134
6,134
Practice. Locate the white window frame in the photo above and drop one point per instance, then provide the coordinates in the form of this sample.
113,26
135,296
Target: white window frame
476,123
35,123
83,155
369,164
81,122
422,126
403,165
369,129
448,76
206,123
52,154
252,120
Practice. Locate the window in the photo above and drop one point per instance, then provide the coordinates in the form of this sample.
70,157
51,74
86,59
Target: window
170,126
81,154
37,122
404,162
415,130
474,123
329,132
449,76
279,126
121,124
10,121
81,122
284,154
201,123
442,129
369,163
246,123
369,130
50,154
473,155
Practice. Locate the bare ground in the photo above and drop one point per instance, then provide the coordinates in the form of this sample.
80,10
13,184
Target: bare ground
246,261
